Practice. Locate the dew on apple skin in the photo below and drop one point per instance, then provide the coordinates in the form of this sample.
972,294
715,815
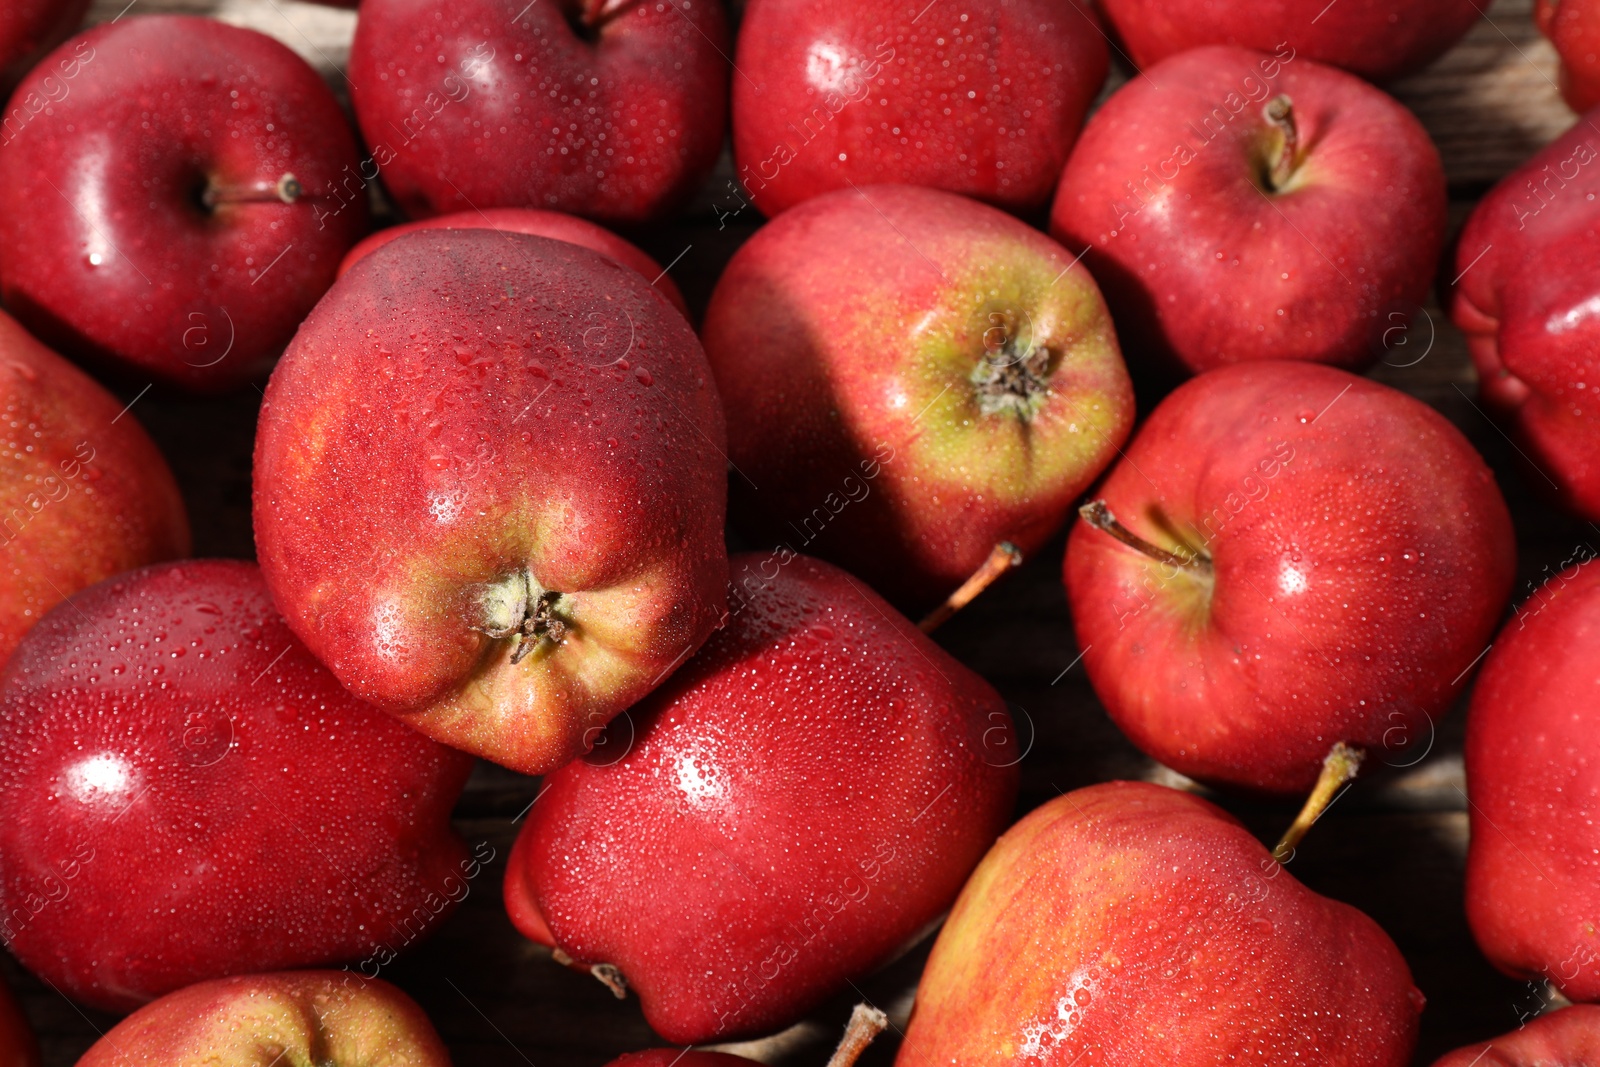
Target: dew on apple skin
190,786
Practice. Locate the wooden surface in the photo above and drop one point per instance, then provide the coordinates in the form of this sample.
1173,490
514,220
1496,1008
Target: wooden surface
1393,846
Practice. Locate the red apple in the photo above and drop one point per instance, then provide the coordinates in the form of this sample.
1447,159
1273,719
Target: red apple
800,802
187,794
1571,1035
18,1048
613,110
1534,331
85,493
667,1057
1377,39
1573,26
326,1018
1313,558
1532,891
1240,206
910,377
983,98
554,224
535,539
1128,923
28,29
168,209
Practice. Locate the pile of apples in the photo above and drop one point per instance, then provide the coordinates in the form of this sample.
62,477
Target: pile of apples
497,461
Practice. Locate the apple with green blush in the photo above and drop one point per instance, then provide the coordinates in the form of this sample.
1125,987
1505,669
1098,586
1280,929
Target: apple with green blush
911,377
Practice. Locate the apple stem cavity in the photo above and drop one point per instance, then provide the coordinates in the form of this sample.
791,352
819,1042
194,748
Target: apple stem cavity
519,608
1098,515
1340,765
286,190
1280,112
865,1024
1002,558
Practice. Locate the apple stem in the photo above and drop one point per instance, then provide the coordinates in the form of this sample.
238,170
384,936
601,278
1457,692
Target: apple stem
865,1024
610,976
286,189
1002,558
1341,765
1098,515
1280,112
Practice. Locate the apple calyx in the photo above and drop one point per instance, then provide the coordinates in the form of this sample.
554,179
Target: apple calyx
285,190
1014,373
1279,111
1340,765
521,609
1098,515
865,1024
1002,558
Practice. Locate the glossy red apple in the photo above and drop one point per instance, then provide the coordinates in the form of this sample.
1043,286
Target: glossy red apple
1573,26
1571,1035
1312,558
1128,923
1532,891
1241,206
187,794
326,1018
168,211
554,224
799,803
28,29
535,539
84,494
983,98
612,109
865,1024
1377,39
910,377
1534,331
19,1048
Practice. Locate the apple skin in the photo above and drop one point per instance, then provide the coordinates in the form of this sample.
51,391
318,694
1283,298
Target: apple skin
1534,333
169,744
554,224
1573,26
1381,40
1571,1035
983,99
1362,555
19,1048
666,1057
496,103
845,336
1531,887
802,798
1133,924
1202,262
109,252
329,1018
84,493
547,417
29,29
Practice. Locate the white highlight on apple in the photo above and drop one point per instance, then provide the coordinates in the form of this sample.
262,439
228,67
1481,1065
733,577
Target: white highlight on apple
1574,317
100,777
